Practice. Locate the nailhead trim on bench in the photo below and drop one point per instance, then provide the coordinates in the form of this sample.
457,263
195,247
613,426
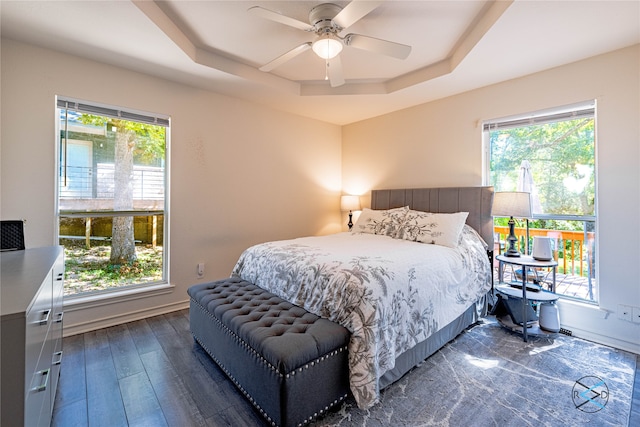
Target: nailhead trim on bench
254,403
247,347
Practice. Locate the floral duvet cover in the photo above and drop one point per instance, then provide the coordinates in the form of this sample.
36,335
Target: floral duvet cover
389,293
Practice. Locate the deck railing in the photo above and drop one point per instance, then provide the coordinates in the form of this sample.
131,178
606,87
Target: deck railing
570,248
80,183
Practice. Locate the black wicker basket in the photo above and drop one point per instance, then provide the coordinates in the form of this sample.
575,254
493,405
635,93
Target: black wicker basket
12,235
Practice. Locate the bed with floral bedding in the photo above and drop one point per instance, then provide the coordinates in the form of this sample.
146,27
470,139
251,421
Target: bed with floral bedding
410,271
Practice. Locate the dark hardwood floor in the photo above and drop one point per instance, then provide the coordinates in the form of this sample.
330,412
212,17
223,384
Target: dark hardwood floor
151,373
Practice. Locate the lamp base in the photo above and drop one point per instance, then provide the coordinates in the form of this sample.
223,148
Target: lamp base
512,240
513,253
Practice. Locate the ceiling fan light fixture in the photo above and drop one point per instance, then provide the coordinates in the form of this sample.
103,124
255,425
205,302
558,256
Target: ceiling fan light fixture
327,47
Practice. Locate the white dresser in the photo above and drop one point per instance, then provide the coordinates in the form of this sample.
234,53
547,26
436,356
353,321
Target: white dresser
31,289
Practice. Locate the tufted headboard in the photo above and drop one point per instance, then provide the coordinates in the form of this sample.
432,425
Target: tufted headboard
475,200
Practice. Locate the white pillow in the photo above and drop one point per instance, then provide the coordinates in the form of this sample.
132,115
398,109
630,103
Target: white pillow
384,222
434,228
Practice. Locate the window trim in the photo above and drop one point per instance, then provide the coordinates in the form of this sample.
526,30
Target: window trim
567,112
133,291
123,294
113,112
562,113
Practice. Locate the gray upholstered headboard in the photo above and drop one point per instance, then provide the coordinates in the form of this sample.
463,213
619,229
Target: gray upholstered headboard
475,200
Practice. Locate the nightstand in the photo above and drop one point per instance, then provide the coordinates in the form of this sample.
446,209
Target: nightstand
524,292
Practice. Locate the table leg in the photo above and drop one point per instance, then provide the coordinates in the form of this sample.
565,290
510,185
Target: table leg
524,302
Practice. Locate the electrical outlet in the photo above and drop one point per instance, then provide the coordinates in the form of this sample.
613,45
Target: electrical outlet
625,312
636,314
200,269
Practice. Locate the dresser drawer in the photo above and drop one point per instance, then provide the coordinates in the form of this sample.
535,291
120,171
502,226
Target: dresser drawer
55,334
38,318
57,313
38,395
58,278
31,334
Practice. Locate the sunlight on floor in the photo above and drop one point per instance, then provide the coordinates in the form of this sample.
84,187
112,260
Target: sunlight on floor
539,350
482,363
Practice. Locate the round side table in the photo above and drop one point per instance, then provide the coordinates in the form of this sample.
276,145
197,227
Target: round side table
525,262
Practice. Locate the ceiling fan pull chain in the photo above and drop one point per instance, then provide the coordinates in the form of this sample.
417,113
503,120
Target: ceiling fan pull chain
326,69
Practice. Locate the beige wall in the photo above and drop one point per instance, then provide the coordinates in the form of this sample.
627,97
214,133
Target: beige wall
240,173
440,144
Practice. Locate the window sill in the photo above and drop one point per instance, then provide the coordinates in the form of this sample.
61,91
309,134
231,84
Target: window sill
81,302
592,308
578,301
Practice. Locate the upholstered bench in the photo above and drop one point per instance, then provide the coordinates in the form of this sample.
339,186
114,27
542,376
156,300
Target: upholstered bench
289,363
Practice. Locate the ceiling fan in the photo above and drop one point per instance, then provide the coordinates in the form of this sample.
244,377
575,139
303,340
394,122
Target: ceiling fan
327,21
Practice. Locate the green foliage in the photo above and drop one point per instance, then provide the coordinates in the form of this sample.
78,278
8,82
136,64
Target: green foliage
556,224
150,139
562,158
89,270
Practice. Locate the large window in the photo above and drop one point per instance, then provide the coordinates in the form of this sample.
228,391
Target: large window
111,196
551,155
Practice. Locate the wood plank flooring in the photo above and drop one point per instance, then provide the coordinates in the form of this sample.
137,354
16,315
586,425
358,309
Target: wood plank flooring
151,373
146,373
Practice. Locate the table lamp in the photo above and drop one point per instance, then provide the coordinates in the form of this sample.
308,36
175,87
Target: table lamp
350,203
512,204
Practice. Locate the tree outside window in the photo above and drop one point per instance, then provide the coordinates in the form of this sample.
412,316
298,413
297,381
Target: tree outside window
111,198
556,151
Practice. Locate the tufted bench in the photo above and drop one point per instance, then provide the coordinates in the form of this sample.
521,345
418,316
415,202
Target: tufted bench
289,363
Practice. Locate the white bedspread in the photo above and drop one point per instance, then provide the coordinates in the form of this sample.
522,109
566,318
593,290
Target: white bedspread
389,293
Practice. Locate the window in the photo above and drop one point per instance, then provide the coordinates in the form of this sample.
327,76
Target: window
551,155
111,196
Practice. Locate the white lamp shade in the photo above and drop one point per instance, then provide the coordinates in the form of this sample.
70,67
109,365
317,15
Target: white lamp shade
512,203
350,203
327,47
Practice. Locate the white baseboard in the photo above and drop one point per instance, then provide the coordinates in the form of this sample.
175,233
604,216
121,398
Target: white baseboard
603,339
107,321
593,323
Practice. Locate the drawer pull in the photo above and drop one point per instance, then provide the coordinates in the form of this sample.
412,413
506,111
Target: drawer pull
57,354
45,381
45,319
60,316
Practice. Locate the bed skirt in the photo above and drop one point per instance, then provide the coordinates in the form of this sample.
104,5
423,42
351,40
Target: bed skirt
412,357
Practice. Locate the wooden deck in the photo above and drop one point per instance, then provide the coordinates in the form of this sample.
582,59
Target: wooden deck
570,285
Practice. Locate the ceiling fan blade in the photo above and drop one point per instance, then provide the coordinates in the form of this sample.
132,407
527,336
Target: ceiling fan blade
334,70
372,44
277,17
354,11
286,57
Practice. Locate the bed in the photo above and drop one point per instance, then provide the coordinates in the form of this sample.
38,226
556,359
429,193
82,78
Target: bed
400,299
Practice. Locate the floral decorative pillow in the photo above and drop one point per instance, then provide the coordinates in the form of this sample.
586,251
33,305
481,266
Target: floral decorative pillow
384,222
434,228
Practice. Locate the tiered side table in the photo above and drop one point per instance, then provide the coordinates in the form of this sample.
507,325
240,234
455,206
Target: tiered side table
526,262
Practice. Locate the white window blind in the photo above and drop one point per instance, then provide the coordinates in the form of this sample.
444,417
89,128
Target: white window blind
571,113
137,116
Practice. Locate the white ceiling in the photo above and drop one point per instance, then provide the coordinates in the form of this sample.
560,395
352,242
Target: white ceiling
217,45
